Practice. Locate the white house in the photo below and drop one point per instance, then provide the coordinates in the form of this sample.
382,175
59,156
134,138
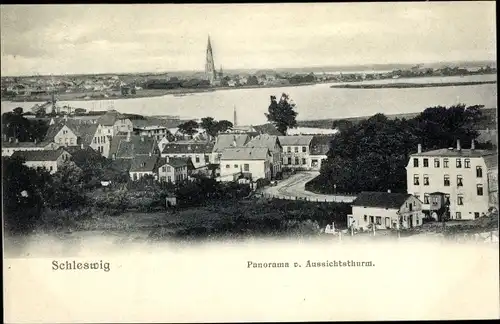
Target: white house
113,123
272,143
151,128
296,151
51,160
253,163
461,174
385,210
173,170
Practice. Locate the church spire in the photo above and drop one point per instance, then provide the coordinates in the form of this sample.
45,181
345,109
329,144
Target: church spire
234,116
210,72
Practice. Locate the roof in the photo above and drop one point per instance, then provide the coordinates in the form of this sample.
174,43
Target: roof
174,162
264,140
320,145
143,164
491,161
456,153
138,145
7,144
85,131
110,117
84,157
245,153
143,123
189,147
380,199
296,140
45,155
269,129
226,141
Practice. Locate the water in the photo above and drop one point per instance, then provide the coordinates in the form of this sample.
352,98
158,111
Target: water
313,102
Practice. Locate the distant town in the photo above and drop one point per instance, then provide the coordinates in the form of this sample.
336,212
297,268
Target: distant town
86,87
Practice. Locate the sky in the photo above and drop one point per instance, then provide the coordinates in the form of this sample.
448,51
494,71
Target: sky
74,39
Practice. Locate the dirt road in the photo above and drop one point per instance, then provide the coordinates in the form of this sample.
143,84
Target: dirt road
294,188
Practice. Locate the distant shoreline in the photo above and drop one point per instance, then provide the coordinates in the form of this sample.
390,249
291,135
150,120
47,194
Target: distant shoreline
409,85
145,93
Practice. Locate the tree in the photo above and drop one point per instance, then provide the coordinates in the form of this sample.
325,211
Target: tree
209,125
223,125
252,80
188,128
282,114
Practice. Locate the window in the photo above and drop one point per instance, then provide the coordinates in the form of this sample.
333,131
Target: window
476,215
109,131
197,159
289,149
446,180
246,167
163,179
416,181
71,141
304,149
227,166
426,163
169,179
284,149
303,161
297,160
365,218
51,168
447,199
458,215
460,182
378,220
436,163
169,169
235,166
460,200
163,169
371,219
445,163
415,162
296,149
417,221
459,163
467,163
479,172
206,159
479,189
426,198
435,200
289,160
426,180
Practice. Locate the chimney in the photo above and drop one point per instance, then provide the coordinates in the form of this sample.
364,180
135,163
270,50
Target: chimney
168,159
473,145
458,145
419,150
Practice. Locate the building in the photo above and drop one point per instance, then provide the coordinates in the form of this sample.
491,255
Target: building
385,210
296,151
320,145
272,143
210,72
174,170
464,176
51,160
252,163
225,141
113,123
144,127
75,132
200,152
9,147
143,165
128,146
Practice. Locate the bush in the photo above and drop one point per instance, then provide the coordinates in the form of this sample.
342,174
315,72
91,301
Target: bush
262,182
